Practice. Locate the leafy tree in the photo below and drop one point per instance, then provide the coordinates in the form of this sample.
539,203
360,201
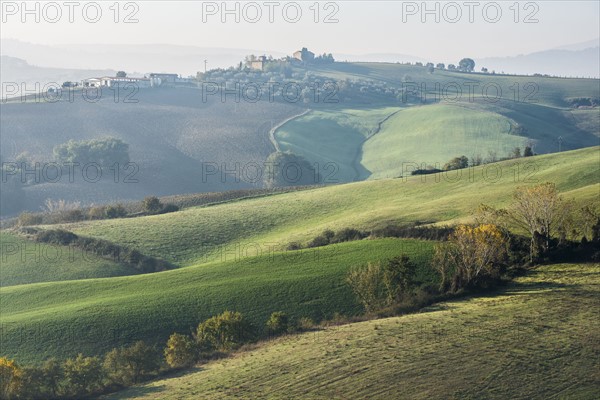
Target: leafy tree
278,323
466,65
51,376
10,378
516,153
441,66
152,205
121,74
288,169
127,365
105,152
224,332
115,211
528,152
181,351
457,163
398,274
451,67
367,284
83,374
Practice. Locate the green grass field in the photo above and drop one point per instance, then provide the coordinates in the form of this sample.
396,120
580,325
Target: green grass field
227,249
23,261
448,131
92,316
462,114
201,234
536,339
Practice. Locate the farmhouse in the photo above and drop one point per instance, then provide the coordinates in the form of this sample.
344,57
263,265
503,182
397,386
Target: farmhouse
259,64
110,81
309,55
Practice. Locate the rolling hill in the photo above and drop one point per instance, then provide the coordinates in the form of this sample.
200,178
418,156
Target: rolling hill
183,143
541,329
235,258
203,234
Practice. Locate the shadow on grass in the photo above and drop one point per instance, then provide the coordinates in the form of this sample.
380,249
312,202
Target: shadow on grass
138,392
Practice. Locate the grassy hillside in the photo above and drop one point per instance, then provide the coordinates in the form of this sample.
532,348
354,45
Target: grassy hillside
536,339
554,92
172,133
448,131
333,136
204,233
23,261
91,316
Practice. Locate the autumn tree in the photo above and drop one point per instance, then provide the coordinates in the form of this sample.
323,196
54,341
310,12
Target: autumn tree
541,212
367,284
181,351
10,378
470,257
278,323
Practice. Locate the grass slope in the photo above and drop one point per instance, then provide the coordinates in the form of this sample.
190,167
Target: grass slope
537,339
91,316
23,261
448,131
202,234
333,136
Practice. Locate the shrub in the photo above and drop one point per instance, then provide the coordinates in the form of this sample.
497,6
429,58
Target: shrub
305,324
127,365
347,235
115,211
98,212
56,236
83,375
152,205
223,332
181,351
169,208
28,219
10,378
377,287
278,323
367,284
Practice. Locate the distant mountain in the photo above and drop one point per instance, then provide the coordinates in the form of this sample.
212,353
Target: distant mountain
577,60
19,71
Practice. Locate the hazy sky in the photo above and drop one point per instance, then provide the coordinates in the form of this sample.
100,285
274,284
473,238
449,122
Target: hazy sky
362,26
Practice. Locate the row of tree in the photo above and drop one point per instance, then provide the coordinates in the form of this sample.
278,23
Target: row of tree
83,377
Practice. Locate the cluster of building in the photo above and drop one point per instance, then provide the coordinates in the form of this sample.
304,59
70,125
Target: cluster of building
152,80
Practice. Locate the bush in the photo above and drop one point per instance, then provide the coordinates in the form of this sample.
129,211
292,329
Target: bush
278,323
377,287
83,375
115,211
127,365
223,332
181,351
305,324
56,236
169,208
152,205
98,212
28,219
